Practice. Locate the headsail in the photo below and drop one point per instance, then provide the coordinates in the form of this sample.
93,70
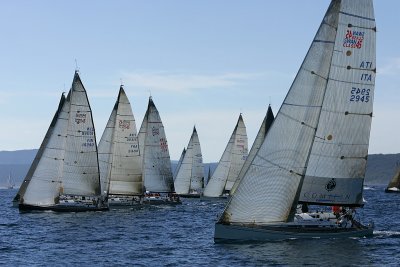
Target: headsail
262,132
121,148
178,165
395,182
270,189
42,183
157,172
230,163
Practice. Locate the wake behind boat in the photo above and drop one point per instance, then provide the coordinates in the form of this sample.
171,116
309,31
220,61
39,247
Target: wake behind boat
316,149
64,175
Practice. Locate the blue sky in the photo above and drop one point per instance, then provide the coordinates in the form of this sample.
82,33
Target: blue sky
203,62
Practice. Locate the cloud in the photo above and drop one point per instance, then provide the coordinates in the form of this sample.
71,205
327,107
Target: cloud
179,82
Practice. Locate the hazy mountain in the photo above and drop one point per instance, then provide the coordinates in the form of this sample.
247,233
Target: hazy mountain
380,167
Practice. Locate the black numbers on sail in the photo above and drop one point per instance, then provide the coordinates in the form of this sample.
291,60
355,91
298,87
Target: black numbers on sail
359,94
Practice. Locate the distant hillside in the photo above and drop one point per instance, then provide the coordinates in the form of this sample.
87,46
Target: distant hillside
380,167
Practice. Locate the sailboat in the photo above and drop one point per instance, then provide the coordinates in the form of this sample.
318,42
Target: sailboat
10,182
230,164
316,150
64,175
188,181
394,184
262,132
119,156
156,163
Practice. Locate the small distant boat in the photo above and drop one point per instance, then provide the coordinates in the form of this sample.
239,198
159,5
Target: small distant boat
156,163
316,149
119,156
230,164
10,182
64,175
190,176
394,184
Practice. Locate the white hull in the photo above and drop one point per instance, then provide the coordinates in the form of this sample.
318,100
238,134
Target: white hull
125,201
238,233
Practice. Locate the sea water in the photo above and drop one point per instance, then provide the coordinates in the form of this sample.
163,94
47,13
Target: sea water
182,236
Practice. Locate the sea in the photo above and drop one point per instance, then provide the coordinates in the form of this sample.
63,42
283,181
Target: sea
183,236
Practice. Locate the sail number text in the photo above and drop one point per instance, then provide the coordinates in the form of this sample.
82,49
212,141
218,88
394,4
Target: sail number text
359,94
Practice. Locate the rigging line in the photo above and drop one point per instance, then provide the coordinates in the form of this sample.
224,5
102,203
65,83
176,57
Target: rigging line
301,122
365,157
353,68
362,114
358,83
356,16
278,166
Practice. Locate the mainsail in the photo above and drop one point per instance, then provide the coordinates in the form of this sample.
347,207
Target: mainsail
42,183
230,163
119,156
157,174
329,100
191,171
262,132
81,175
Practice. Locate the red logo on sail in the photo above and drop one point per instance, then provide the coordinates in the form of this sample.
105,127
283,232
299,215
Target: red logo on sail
353,39
163,145
124,124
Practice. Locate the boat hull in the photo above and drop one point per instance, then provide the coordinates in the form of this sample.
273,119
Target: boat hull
389,190
225,233
189,195
62,208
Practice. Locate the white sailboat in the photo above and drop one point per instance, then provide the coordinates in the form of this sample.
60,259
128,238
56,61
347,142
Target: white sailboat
188,181
262,132
230,164
156,163
119,156
394,184
316,149
64,175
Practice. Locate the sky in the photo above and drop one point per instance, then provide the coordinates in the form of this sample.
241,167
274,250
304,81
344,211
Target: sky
203,63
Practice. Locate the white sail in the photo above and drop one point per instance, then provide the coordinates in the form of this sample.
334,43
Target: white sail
238,154
125,175
42,184
336,169
270,189
216,185
191,171
197,177
105,149
157,174
178,165
265,125
81,168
